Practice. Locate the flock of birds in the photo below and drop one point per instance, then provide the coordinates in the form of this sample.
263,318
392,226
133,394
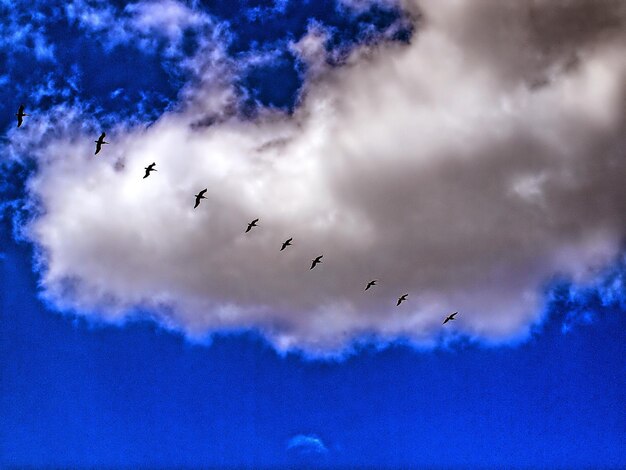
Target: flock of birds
201,195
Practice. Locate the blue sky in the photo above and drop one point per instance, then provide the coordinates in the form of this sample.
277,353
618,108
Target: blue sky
344,124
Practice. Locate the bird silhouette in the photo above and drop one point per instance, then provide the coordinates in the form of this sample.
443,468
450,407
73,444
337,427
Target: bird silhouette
252,224
449,318
100,142
316,261
150,168
286,243
371,284
401,299
20,115
199,196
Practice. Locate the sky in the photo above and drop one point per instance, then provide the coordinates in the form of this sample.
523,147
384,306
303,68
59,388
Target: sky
470,154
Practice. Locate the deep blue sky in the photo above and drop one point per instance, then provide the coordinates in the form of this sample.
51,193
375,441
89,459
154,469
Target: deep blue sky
81,395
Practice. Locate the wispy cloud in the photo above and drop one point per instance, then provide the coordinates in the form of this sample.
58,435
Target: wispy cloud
304,444
147,24
23,33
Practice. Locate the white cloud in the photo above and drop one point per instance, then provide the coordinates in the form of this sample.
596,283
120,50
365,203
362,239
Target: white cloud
167,17
144,23
311,49
307,445
440,167
23,33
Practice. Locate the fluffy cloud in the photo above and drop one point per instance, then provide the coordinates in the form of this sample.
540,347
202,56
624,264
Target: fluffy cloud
466,168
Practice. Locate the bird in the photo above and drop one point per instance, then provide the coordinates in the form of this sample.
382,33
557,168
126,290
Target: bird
401,299
252,224
371,284
149,169
100,142
286,243
199,196
20,115
316,261
449,318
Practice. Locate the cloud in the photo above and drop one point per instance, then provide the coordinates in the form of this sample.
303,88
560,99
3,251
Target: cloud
466,168
364,5
147,23
306,445
24,34
166,17
588,303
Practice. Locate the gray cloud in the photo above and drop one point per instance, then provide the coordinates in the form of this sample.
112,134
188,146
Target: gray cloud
466,168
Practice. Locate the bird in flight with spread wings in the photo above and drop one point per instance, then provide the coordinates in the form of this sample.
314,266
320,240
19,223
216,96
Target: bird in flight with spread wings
20,115
99,143
252,224
200,196
316,261
150,168
286,243
449,318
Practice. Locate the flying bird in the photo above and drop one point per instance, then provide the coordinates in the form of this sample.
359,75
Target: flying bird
371,284
199,196
402,299
100,142
316,261
150,168
449,318
286,243
252,224
20,115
